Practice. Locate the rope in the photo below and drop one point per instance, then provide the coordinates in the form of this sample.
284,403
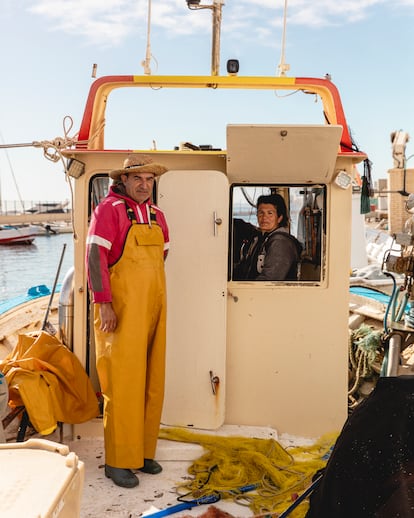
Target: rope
364,348
283,66
147,61
52,150
391,302
231,463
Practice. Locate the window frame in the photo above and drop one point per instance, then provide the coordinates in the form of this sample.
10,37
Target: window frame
313,272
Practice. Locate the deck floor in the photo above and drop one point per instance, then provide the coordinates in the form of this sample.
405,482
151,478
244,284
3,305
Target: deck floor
101,497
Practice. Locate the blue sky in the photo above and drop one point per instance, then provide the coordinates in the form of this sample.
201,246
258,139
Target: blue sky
49,48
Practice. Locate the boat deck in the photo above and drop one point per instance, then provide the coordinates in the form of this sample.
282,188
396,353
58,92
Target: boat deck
101,497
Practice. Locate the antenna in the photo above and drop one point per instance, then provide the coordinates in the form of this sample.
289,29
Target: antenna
147,61
283,67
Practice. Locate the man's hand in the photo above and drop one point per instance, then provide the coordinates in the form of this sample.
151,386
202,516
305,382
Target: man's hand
108,317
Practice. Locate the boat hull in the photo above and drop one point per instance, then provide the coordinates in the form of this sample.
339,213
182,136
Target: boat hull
17,241
16,236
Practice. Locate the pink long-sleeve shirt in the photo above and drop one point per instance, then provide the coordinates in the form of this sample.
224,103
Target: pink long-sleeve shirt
106,237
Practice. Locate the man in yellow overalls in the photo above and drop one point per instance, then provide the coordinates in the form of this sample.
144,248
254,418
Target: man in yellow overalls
126,247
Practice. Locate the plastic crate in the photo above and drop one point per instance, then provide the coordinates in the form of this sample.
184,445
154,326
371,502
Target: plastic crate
40,479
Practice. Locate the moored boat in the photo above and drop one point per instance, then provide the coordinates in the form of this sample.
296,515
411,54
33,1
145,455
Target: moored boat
240,353
311,166
304,163
51,207
13,235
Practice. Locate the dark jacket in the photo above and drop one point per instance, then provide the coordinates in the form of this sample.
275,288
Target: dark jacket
269,256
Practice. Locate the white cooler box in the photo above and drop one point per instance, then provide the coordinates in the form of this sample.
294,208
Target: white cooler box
40,479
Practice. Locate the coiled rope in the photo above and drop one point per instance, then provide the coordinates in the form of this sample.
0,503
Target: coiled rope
52,150
365,349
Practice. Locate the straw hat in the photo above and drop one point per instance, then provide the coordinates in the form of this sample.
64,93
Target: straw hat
136,163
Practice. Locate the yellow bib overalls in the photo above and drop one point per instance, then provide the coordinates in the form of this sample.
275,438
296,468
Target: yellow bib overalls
131,361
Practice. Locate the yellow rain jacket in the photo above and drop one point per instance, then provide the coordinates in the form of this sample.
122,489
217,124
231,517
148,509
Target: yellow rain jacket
49,380
131,360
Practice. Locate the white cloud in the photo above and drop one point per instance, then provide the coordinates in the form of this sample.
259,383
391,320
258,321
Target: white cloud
320,13
104,23
110,22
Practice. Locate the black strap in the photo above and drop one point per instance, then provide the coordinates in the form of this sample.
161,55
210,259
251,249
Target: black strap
130,213
153,215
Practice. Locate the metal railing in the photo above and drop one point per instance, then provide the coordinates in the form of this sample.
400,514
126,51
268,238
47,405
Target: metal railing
13,207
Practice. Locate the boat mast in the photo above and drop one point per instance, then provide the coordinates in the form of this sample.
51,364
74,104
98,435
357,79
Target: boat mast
12,172
216,7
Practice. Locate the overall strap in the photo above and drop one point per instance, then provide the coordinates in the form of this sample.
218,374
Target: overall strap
131,214
153,215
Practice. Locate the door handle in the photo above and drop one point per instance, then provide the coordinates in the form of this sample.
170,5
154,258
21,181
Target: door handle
216,222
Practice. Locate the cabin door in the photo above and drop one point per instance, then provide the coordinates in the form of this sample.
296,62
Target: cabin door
196,207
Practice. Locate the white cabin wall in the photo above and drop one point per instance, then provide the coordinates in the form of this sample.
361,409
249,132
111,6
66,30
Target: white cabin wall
287,359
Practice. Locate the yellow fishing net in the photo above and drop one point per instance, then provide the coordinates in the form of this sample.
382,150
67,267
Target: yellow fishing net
277,474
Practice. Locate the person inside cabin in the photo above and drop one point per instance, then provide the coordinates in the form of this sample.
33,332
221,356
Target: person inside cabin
272,253
127,243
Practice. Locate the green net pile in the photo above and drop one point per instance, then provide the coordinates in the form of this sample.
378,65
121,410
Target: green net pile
278,474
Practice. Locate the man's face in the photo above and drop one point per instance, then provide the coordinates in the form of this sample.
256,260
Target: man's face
138,186
267,217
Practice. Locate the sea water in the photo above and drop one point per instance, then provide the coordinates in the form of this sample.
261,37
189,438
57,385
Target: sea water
24,266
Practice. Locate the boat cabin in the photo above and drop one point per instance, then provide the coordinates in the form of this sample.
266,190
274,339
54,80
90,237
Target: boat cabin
246,352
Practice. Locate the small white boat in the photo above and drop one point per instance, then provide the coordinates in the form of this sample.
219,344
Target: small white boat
52,228
16,235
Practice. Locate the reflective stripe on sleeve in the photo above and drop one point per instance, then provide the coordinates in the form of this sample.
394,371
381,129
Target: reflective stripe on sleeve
97,240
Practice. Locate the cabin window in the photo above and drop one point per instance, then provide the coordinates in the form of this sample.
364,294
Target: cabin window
99,189
255,246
